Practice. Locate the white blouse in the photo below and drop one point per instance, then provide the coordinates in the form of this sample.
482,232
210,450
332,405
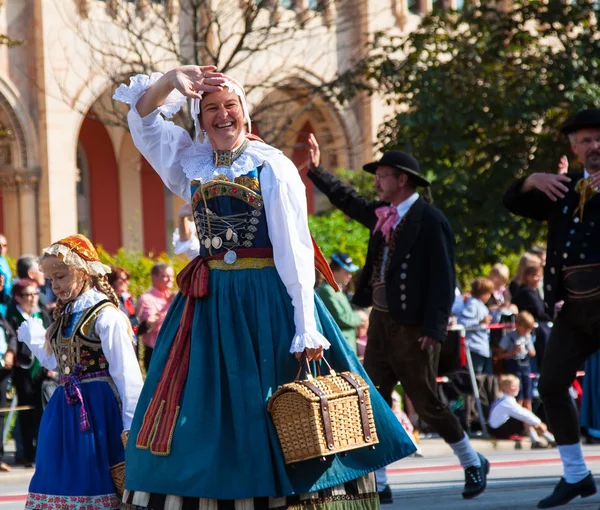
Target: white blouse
178,160
113,329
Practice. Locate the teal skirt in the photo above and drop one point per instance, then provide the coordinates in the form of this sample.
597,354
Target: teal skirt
224,445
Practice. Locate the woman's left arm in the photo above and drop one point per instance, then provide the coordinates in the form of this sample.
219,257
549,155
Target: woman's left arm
285,208
115,334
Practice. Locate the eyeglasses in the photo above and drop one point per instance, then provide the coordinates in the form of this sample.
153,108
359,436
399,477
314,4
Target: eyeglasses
379,177
30,294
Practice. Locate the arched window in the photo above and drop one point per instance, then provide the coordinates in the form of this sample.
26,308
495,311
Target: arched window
84,223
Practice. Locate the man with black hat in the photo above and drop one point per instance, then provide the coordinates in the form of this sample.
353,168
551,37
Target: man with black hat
337,303
409,281
571,206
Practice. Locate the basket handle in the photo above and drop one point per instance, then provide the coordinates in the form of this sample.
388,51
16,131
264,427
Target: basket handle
304,365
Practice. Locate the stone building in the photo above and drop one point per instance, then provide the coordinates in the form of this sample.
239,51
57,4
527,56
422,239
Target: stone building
63,171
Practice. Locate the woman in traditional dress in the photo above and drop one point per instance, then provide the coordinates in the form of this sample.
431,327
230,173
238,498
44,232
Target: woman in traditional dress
201,434
80,454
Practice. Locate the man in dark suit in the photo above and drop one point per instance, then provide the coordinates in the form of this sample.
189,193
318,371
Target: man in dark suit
571,206
409,281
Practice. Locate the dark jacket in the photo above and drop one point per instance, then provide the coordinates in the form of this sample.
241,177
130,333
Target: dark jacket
420,279
536,205
528,300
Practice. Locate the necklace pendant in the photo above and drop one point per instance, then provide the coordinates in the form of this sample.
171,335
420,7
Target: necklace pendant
223,158
230,257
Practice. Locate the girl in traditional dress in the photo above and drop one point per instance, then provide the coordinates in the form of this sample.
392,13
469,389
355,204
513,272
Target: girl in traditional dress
80,451
201,434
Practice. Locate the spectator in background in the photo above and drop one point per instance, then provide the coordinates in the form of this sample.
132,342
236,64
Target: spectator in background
500,276
185,238
28,267
118,279
7,359
337,303
527,260
517,349
153,305
361,334
508,418
27,374
475,317
5,277
540,252
529,300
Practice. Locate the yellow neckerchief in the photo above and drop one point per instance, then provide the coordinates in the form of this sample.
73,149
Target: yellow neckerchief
585,193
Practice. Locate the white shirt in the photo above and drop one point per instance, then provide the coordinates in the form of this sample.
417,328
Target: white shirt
113,329
178,161
403,207
191,247
507,407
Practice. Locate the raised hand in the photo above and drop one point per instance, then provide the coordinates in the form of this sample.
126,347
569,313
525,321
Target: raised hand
552,185
563,165
190,80
315,153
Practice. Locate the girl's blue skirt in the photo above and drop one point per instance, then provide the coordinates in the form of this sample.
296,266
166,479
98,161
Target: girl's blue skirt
72,466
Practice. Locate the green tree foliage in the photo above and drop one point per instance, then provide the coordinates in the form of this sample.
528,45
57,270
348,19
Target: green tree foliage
334,231
479,98
139,266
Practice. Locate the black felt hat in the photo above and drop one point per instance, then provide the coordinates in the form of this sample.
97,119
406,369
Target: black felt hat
589,118
401,161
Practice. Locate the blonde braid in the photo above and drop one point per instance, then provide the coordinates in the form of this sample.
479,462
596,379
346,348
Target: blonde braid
101,284
52,329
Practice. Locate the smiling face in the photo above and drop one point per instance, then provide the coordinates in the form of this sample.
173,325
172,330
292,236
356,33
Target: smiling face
67,283
223,119
586,145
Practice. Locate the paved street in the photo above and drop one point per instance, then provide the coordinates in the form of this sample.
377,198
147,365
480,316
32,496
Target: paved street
518,480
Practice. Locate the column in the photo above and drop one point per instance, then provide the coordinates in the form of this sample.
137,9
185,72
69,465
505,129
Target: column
27,188
10,202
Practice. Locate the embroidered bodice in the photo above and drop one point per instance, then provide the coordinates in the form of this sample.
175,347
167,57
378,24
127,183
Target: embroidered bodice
230,215
76,345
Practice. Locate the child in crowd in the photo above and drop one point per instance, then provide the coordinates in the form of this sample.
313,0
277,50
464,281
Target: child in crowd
475,317
507,418
80,454
517,349
361,334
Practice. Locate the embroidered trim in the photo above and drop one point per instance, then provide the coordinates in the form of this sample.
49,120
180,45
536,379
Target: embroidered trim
197,161
36,501
214,189
241,263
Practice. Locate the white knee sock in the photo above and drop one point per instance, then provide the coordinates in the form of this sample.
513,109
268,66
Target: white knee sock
467,456
533,435
574,465
549,437
381,479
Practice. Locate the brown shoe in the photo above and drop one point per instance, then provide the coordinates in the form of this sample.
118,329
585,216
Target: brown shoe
4,467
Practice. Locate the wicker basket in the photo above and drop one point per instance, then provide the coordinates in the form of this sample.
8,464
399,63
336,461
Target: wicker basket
323,416
117,473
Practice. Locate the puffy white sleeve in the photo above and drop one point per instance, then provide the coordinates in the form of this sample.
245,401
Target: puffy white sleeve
191,247
160,141
285,208
112,326
33,334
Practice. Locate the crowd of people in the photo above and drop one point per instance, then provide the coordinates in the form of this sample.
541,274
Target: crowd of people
73,339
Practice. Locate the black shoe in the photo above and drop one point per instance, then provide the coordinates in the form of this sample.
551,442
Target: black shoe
476,478
565,492
385,496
